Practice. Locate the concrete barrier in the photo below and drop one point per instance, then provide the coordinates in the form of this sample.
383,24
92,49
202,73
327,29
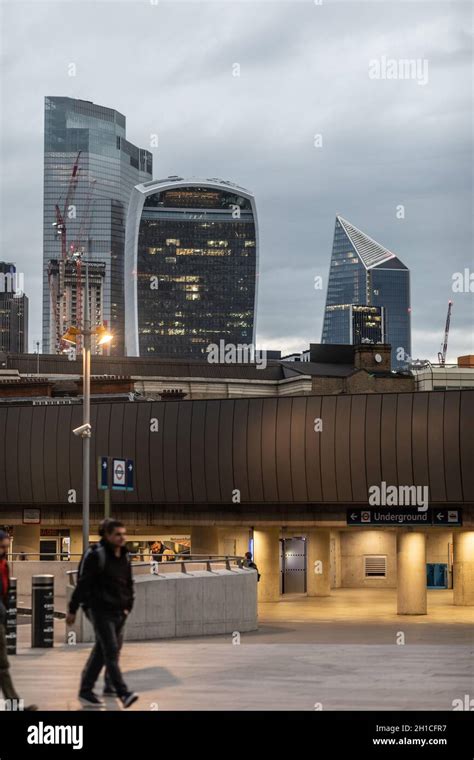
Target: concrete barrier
194,603
23,571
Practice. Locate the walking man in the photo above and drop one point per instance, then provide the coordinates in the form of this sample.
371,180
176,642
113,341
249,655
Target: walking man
105,591
6,683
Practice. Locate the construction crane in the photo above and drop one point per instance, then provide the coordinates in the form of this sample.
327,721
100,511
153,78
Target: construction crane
444,345
56,280
76,253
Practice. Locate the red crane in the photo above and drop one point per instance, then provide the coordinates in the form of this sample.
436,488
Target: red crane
77,251
56,281
444,345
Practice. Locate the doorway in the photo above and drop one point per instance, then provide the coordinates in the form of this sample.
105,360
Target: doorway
48,549
293,565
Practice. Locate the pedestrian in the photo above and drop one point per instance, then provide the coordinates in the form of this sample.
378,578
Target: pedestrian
104,589
248,562
6,683
157,550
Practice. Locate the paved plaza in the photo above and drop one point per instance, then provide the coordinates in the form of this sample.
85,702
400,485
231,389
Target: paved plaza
334,653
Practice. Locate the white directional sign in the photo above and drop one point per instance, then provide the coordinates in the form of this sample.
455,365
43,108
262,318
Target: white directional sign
119,473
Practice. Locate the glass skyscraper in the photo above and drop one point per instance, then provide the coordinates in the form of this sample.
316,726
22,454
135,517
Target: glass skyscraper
365,274
13,311
191,267
107,168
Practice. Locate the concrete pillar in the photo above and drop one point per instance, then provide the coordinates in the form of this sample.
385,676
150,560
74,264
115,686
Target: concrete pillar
318,576
76,542
204,540
411,572
463,567
266,542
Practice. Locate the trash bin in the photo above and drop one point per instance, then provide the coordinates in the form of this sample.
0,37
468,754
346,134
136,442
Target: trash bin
42,605
11,617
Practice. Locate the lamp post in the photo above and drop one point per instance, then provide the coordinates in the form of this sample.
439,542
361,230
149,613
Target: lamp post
85,430
86,415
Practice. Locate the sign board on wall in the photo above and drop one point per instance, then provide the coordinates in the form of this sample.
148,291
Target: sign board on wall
31,516
103,473
404,517
122,474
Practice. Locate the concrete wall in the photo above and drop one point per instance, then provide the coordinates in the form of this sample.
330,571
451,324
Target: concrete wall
233,537
336,565
354,545
76,540
24,571
26,538
197,603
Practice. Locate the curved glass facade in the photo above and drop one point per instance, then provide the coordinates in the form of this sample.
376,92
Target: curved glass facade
196,266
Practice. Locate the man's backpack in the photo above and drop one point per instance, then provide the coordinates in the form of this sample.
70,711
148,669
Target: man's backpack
93,548
100,551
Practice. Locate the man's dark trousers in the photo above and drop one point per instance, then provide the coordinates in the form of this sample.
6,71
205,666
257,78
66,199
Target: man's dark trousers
108,628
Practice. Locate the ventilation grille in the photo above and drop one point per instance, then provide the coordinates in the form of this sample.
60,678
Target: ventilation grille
375,566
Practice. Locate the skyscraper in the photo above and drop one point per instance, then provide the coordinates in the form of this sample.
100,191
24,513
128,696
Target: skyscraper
191,267
364,274
354,324
89,171
13,311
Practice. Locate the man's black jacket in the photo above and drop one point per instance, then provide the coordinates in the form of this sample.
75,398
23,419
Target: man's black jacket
104,586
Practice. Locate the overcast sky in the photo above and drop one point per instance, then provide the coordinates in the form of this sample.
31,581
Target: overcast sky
304,71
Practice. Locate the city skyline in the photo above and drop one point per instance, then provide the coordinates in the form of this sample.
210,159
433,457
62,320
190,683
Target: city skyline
409,149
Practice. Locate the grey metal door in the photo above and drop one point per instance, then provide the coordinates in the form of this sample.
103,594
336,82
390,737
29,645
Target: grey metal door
294,566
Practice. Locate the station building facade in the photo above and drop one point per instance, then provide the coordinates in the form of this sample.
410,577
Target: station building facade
291,478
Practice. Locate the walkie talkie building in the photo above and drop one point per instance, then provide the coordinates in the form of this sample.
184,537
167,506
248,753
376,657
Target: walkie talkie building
191,263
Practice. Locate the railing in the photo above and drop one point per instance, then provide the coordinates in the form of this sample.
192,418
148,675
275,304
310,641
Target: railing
68,556
190,559
51,556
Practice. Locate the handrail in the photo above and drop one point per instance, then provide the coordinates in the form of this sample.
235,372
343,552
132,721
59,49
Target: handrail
172,557
207,559
76,556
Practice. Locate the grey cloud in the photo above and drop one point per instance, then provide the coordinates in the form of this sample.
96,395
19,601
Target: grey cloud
304,70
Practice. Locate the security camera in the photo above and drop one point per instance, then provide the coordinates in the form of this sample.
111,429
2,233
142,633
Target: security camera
84,431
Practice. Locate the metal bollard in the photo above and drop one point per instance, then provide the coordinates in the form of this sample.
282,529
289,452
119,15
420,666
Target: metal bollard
11,617
42,605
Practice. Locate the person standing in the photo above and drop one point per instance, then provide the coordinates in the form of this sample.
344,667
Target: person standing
6,683
105,591
248,562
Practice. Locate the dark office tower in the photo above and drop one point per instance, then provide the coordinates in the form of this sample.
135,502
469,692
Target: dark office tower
89,171
13,311
191,262
364,274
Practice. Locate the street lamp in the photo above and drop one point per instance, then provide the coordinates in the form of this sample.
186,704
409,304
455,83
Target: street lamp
85,430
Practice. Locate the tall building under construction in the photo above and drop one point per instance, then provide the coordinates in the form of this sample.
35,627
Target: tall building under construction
90,169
